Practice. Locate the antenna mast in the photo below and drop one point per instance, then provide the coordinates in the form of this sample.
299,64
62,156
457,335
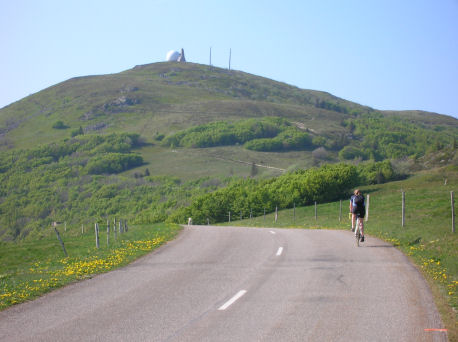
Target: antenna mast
230,58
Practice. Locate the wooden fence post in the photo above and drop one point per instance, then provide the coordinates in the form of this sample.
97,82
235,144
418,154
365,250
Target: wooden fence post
108,233
65,226
403,209
126,229
251,213
452,200
276,214
120,227
264,214
367,207
114,230
229,217
240,215
97,242
82,229
340,211
60,241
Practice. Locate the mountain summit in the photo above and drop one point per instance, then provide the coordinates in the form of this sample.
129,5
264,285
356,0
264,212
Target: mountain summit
162,98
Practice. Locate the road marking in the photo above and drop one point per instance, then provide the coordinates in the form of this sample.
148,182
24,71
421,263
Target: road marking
280,250
272,232
443,330
232,300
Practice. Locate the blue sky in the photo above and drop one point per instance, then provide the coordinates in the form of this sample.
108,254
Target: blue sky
384,54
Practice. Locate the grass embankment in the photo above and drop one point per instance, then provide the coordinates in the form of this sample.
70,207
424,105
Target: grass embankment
29,269
426,238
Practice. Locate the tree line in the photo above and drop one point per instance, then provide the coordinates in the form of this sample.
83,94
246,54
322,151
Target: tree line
302,187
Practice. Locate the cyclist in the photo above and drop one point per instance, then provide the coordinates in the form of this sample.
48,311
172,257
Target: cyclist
358,210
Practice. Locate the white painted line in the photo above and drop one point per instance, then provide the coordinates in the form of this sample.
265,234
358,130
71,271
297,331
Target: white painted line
232,300
280,250
272,232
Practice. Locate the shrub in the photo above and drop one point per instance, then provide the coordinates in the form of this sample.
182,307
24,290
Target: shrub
223,133
113,163
264,145
78,131
375,173
301,187
350,152
59,125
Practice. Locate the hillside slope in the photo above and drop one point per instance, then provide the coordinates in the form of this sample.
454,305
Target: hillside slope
145,142
161,98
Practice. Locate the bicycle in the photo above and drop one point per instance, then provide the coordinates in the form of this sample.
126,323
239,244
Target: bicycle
358,230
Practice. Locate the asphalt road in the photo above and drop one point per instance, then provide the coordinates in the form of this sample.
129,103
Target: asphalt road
241,284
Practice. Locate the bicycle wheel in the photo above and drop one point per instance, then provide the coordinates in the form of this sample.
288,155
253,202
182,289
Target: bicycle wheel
357,232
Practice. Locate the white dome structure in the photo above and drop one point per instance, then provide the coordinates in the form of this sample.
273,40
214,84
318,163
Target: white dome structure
172,56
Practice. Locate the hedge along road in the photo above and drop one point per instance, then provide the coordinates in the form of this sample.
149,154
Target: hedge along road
241,284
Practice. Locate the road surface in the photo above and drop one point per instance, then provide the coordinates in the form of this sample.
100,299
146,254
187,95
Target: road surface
241,284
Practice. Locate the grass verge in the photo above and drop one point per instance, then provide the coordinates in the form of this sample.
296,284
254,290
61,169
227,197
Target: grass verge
29,269
426,237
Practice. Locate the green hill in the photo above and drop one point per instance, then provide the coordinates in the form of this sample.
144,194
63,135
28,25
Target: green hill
165,97
145,141
166,141
159,99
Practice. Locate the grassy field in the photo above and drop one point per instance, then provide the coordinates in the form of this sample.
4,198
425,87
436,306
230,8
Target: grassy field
159,99
223,161
31,268
426,238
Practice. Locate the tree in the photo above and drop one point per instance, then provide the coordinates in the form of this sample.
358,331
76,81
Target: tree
59,125
350,152
78,131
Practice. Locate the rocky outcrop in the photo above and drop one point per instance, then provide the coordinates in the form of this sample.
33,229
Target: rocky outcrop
118,105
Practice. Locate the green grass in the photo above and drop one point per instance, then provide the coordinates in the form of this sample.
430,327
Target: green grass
224,161
167,97
426,238
31,268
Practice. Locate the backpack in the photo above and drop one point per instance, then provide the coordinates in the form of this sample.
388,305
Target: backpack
359,200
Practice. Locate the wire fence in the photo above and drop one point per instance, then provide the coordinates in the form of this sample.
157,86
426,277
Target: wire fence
402,202
118,228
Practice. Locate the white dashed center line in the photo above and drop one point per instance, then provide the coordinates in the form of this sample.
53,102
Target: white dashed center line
272,232
280,250
232,300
